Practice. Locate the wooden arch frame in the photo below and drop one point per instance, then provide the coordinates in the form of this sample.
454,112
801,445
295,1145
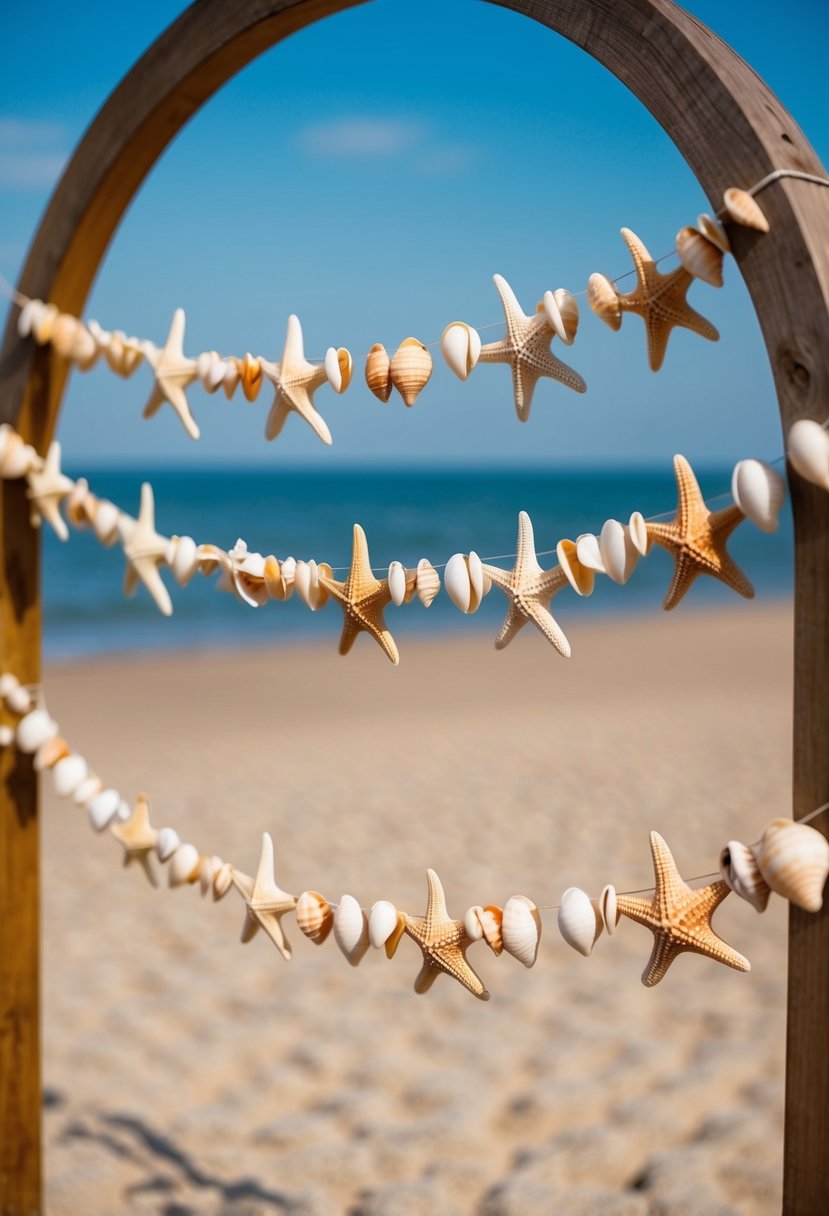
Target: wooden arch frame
731,130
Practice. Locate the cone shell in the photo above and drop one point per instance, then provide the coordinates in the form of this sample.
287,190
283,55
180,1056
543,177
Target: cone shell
460,345
740,872
521,929
427,582
638,532
603,298
314,916
794,860
700,257
103,808
167,842
410,370
339,367
351,929
579,920
743,209
759,491
486,923
34,730
609,909
807,447
581,578
184,865
378,372
619,554
562,312
711,228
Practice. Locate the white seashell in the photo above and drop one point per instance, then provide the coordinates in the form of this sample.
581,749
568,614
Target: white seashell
588,552
185,561
562,311
472,923
807,447
79,504
579,920
740,872
701,257
581,578
461,346
8,683
521,929
287,571
638,532
480,581
102,808
35,729
603,298
86,789
338,368
211,369
84,350
619,554
608,909
711,227
63,334
302,582
30,316
382,922
457,582
351,929
68,774
19,700
231,378
19,458
491,918
222,880
6,735
397,582
49,753
759,492
208,868
314,916
744,209
793,858
167,842
105,521
427,582
184,865
124,811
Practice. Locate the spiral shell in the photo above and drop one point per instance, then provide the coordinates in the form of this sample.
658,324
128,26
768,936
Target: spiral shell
700,256
351,929
744,209
759,491
378,372
410,369
521,929
339,367
461,346
562,311
581,578
579,920
314,916
740,872
807,447
427,582
794,860
603,298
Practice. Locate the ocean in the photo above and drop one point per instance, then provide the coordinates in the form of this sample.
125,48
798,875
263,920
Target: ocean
406,514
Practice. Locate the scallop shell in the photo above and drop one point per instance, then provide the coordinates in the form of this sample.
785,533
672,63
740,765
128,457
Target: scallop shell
639,535
427,582
68,774
222,880
579,920
410,369
351,929
807,447
167,842
314,916
744,209
581,578
339,367
711,227
34,730
759,491
588,552
521,929
378,372
619,554
397,583
102,808
740,872
50,752
700,257
86,789
489,920
608,909
250,376
184,865
793,858
603,298
105,521
562,311
461,346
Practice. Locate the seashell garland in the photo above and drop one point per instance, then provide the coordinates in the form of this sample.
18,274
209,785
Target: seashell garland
410,369
794,860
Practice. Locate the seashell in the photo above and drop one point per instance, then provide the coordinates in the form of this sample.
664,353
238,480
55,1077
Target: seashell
521,929
17,698
248,578
211,558
603,298
794,860
19,458
314,916
102,808
86,789
8,683
105,521
619,554
288,571
207,873
457,582
397,582
167,843
410,369
581,578
211,370
638,533
579,920
384,926
460,345
472,923
84,351
378,372
50,752
6,433
184,865
700,257
68,774
250,376
562,311
79,504
588,552
711,227
759,492
351,929
302,582
123,812
279,587
339,367
231,378
608,909
6,735
744,209
490,918
427,582
807,447
44,323
35,729
63,334
30,314
182,558
739,869
122,354
222,880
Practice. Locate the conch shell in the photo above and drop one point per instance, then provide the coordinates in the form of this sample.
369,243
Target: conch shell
378,372
410,369
794,860
743,209
603,298
700,256
740,872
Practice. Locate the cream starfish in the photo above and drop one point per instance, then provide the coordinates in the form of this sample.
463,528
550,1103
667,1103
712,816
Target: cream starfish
697,539
46,491
529,590
526,348
266,902
659,299
678,917
173,372
295,381
444,943
362,598
138,837
145,551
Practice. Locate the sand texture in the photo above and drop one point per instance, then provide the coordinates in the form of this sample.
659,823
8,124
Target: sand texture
187,1073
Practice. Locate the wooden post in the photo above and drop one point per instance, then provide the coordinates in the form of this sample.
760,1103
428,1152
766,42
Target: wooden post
732,131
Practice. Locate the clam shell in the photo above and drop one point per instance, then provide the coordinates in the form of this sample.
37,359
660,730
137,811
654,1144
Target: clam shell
314,916
521,929
222,880
793,858
105,521
638,532
700,256
338,368
184,865
68,774
589,553
382,922
410,369
619,554
603,298
378,372
427,582
741,874
489,921
457,582
711,227
759,492
579,920
50,752
102,808
744,209
351,929
397,583
807,447
460,345
581,578
608,909
34,730
167,842
86,789
562,312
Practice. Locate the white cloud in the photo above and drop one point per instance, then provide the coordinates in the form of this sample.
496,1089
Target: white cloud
360,137
32,153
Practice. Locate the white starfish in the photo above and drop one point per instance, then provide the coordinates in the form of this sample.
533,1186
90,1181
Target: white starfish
266,902
295,381
145,551
173,372
47,489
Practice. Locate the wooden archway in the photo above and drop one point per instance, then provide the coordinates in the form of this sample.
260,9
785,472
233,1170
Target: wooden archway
731,130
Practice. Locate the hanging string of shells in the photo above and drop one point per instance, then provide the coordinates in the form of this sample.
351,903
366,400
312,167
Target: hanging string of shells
789,858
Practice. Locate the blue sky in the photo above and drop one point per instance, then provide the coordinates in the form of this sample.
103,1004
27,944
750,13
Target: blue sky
371,174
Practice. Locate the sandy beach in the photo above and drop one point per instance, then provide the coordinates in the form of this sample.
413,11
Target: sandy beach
187,1073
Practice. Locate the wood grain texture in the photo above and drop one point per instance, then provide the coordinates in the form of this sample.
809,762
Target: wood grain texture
732,131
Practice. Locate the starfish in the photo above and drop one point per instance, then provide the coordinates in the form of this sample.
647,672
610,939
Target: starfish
295,381
138,837
47,489
444,943
529,590
697,539
266,902
363,598
659,299
145,550
526,347
173,372
678,917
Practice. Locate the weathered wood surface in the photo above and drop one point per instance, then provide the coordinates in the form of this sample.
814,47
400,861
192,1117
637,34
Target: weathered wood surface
732,131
